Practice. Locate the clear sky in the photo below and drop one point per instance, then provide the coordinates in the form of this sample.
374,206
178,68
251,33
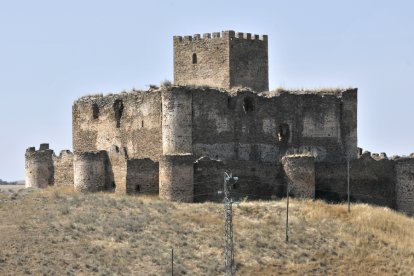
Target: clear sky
52,52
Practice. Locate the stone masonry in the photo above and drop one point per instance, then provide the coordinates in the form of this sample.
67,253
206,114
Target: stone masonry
218,115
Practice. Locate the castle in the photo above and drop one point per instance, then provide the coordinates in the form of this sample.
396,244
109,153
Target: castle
177,140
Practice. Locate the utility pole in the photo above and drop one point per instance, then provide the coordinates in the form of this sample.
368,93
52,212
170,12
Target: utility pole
349,190
228,225
172,261
287,212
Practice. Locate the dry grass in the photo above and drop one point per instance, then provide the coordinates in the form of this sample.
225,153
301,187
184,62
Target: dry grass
60,232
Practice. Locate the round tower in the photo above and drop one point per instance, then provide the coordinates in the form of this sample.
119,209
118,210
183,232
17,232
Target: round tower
176,177
89,171
300,172
176,121
39,167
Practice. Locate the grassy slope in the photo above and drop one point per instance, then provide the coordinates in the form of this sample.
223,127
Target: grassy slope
58,231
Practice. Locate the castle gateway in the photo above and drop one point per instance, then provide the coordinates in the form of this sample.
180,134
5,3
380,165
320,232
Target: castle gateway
178,139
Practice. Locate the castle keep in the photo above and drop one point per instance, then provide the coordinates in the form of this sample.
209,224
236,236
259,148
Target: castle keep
177,140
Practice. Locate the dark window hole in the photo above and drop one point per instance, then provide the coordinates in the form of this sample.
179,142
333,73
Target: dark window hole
283,133
95,111
248,104
194,58
118,110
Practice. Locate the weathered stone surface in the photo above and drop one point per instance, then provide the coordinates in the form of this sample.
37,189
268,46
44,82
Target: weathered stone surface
223,60
137,128
404,186
63,169
371,181
142,177
90,172
39,167
300,172
176,177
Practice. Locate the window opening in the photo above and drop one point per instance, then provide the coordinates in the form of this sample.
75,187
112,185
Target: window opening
248,104
283,133
118,110
95,111
194,58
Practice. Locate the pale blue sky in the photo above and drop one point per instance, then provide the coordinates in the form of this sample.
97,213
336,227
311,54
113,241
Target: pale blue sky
53,52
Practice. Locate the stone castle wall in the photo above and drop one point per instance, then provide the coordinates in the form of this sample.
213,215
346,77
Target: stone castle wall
177,177
246,126
127,120
223,60
142,177
116,170
371,180
63,168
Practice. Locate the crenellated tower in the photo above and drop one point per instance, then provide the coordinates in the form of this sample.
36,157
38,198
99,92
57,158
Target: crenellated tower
225,60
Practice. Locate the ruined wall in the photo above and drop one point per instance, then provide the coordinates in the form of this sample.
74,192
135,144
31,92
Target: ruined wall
39,167
404,186
223,60
371,181
300,172
90,171
249,61
263,127
127,120
176,121
256,180
116,170
142,176
63,168
176,177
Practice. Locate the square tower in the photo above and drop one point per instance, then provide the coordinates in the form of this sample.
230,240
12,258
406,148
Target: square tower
223,60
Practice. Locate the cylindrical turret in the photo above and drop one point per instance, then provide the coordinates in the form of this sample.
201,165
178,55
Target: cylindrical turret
300,172
176,177
39,167
176,121
89,171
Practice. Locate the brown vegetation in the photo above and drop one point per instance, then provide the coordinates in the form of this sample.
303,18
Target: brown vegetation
57,231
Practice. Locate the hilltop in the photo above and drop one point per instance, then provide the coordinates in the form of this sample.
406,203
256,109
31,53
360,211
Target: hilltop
58,231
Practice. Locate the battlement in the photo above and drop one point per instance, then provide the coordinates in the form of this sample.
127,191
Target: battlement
224,34
224,60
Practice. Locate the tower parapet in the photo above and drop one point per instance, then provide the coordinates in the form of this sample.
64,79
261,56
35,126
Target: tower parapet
225,60
39,167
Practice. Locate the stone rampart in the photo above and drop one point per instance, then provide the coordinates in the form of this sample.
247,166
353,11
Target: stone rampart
300,172
129,120
372,180
176,177
39,167
63,168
